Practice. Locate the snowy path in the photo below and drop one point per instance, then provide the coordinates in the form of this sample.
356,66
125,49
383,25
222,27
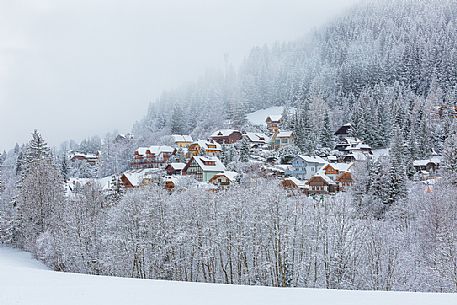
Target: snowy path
24,281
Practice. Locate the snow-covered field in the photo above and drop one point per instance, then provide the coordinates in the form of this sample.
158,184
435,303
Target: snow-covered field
258,117
24,281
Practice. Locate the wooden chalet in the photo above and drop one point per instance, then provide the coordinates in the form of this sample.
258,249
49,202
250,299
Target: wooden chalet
344,131
344,181
226,136
225,179
203,168
210,148
321,184
140,177
91,159
152,157
175,168
273,123
429,166
182,141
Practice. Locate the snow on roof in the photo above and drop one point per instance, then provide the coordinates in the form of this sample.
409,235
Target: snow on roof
204,144
178,165
182,138
341,167
284,134
325,177
155,150
297,182
201,160
435,160
232,176
223,132
136,177
312,159
358,155
257,137
74,154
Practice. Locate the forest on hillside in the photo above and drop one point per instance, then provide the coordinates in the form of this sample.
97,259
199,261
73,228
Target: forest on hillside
388,67
380,64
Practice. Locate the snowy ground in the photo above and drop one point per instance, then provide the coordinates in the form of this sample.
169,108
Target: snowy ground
23,281
259,117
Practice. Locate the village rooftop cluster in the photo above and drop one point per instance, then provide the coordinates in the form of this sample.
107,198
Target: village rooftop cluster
200,163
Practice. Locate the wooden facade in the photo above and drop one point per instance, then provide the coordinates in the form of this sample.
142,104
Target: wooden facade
227,137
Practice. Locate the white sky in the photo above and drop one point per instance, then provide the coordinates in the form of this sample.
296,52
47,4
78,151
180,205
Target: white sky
77,68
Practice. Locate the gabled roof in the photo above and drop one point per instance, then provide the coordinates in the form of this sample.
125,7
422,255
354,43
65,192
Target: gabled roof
177,165
297,182
435,160
341,167
284,134
223,132
156,150
232,176
204,144
182,138
312,159
136,177
218,167
257,137
324,177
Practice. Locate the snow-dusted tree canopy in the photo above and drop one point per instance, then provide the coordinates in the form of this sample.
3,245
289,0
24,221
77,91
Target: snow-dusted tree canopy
387,67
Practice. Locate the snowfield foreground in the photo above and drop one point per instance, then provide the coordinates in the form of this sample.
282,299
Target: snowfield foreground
24,281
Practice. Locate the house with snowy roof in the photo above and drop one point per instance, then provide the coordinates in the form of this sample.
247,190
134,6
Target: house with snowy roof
273,123
182,141
203,168
225,179
429,166
256,138
321,184
90,158
344,131
333,170
282,138
152,156
175,168
123,138
226,136
140,177
340,173
304,167
292,183
209,148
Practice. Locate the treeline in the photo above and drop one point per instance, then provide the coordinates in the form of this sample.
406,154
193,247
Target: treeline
256,233
385,58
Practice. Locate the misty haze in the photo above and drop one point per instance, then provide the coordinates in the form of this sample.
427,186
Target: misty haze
228,152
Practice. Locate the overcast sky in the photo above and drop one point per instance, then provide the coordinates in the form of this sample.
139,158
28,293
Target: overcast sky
77,68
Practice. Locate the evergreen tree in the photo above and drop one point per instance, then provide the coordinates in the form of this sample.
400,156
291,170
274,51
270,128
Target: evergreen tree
327,138
450,156
65,167
177,121
244,150
396,173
